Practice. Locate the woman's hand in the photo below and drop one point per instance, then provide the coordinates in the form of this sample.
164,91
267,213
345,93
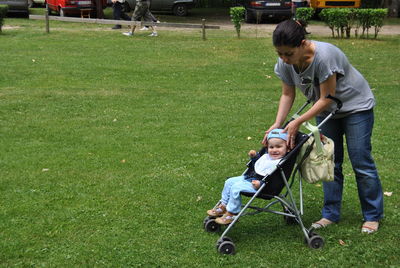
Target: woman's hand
291,129
256,184
265,139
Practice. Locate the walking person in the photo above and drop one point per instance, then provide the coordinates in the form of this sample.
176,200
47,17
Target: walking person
318,69
141,12
151,16
118,12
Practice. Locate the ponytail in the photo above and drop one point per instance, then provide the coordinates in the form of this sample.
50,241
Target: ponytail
289,33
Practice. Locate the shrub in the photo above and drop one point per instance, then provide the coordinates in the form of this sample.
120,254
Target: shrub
378,15
327,16
364,16
3,14
344,19
305,14
237,17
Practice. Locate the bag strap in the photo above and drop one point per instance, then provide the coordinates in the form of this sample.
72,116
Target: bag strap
315,133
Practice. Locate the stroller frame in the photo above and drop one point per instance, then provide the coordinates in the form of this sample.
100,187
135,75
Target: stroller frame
291,213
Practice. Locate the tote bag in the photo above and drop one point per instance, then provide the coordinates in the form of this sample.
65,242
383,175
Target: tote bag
317,159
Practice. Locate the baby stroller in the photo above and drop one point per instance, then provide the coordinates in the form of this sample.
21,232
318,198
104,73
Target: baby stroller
282,177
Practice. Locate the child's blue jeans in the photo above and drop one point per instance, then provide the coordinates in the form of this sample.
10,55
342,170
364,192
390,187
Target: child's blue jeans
231,193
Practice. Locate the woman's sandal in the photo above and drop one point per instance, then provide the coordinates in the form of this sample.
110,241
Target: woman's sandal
216,212
370,227
225,219
322,223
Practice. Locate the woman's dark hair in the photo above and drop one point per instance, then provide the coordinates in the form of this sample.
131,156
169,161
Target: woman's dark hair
289,33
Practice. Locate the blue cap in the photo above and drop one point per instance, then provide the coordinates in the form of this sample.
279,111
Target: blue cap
277,133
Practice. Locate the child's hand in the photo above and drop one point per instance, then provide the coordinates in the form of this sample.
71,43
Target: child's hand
256,184
252,153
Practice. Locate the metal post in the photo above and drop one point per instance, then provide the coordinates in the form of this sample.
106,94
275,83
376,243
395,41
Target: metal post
203,28
47,20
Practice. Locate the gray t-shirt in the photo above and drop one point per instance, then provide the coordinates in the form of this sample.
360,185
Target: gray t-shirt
351,87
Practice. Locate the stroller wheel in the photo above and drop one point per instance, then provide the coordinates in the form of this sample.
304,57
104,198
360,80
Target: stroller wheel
316,242
223,239
206,219
289,220
227,247
211,226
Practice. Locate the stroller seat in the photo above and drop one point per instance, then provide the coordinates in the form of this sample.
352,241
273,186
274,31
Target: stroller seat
274,181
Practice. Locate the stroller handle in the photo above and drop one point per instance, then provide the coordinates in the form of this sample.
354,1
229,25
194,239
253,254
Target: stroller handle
339,103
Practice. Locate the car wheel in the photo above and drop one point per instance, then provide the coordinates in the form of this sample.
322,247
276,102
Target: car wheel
180,10
62,13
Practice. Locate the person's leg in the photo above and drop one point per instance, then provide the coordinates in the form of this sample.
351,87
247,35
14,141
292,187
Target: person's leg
235,199
226,192
135,16
124,16
358,131
225,196
117,9
149,17
333,190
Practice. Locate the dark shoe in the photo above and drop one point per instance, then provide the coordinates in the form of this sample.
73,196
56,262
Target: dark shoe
116,27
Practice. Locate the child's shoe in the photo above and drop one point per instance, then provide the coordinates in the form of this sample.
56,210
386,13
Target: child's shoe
153,34
225,219
216,212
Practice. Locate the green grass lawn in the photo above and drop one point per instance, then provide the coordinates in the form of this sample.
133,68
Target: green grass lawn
113,148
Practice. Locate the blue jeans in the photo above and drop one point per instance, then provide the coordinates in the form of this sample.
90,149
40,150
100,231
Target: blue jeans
231,193
357,128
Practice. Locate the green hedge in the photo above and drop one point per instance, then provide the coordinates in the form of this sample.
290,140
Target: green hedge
3,14
305,14
342,20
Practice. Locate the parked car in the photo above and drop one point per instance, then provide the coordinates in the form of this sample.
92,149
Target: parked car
64,7
16,6
178,7
256,11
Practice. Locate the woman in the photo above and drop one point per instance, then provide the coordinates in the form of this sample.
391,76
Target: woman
319,69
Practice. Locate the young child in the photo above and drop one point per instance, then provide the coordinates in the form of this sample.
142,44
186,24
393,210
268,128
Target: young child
231,202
